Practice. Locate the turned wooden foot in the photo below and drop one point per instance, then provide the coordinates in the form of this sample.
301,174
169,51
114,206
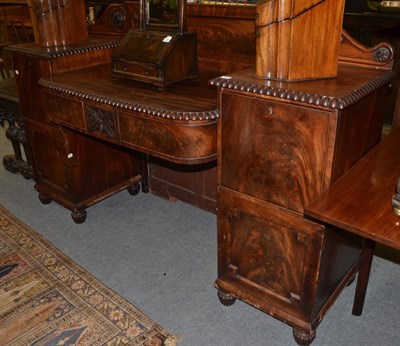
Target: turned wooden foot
79,216
44,199
303,338
133,189
226,298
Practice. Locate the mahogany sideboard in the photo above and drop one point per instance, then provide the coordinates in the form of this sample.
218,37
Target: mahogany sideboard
280,146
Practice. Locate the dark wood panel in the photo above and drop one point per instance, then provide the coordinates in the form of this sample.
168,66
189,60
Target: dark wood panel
371,28
354,140
283,149
194,184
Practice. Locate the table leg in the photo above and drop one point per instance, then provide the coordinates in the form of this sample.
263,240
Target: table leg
363,276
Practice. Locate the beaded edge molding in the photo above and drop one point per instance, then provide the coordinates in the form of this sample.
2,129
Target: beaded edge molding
123,104
303,97
48,54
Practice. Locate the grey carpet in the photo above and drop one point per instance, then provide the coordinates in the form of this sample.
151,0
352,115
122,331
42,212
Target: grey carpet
161,256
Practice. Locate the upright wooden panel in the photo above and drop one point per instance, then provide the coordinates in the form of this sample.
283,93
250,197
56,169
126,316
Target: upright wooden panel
59,23
298,40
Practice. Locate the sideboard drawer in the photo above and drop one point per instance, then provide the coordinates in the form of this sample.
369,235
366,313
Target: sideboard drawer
178,141
64,111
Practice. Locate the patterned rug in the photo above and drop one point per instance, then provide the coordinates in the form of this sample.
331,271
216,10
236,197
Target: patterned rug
47,299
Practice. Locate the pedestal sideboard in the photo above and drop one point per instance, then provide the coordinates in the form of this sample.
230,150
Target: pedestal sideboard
280,145
70,168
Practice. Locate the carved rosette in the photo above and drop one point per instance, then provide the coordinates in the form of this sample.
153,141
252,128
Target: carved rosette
100,121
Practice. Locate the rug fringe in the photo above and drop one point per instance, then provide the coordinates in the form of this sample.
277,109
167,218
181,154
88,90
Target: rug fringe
170,342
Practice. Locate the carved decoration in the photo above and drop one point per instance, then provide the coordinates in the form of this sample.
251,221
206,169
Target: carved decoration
114,19
124,104
100,121
51,53
10,113
303,338
303,97
353,52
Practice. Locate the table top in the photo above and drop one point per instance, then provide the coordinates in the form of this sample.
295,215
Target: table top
187,100
360,201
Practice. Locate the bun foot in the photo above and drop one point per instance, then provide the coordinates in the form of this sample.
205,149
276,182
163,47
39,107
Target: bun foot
226,298
303,338
133,189
44,199
79,216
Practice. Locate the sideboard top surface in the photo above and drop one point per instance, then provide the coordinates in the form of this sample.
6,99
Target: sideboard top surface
351,84
192,100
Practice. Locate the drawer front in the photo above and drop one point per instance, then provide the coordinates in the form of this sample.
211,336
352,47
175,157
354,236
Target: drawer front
137,69
267,252
273,151
176,142
64,111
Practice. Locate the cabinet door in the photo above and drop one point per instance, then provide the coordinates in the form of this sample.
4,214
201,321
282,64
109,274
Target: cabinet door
49,158
270,254
274,151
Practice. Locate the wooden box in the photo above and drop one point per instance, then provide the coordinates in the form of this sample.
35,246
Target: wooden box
298,39
59,23
158,58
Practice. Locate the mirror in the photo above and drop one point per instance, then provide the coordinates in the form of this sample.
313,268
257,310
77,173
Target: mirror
165,15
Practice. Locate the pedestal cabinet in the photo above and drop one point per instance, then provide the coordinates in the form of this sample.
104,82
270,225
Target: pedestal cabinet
280,145
70,168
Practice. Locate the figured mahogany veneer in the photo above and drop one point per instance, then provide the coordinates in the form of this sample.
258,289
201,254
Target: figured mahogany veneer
178,124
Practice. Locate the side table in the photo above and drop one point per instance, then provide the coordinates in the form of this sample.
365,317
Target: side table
360,203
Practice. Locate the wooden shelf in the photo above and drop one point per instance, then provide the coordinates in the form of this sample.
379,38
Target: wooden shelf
16,2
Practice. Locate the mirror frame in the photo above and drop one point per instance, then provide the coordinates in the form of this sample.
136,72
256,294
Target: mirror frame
179,27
